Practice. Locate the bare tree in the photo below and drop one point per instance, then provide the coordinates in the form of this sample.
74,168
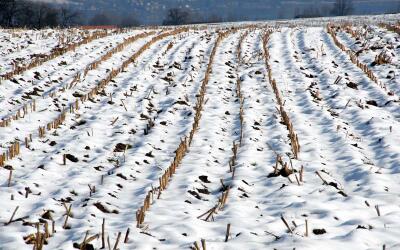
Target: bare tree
129,21
8,11
214,18
342,7
28,13
40,13
311,11
68,16
100,19
51,18
176,16
26,17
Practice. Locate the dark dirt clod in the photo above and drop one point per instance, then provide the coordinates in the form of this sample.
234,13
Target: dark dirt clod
181,103
76,94
284,172
319,231
8,167
122,176
150,154
104,209
373,103
47,215
204,179
120,147
87,246
195,194
71,158
352,85
203,190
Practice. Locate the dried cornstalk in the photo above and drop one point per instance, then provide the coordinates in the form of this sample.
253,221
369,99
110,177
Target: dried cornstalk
185,144
286,224
68,213
12,216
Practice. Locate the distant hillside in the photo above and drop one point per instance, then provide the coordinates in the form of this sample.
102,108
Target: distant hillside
153,11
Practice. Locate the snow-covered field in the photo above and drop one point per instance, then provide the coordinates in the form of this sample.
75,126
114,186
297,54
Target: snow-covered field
247,136
19,47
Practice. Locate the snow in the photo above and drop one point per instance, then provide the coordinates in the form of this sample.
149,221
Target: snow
24,44
124,138
378,41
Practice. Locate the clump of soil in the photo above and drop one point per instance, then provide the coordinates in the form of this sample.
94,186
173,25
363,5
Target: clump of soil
71,158
120,147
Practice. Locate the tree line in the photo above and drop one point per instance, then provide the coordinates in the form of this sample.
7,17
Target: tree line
24,13
37,15
29,14
339,8
177,16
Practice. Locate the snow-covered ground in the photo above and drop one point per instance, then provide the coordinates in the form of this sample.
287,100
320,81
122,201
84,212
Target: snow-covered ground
19,47
99,164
